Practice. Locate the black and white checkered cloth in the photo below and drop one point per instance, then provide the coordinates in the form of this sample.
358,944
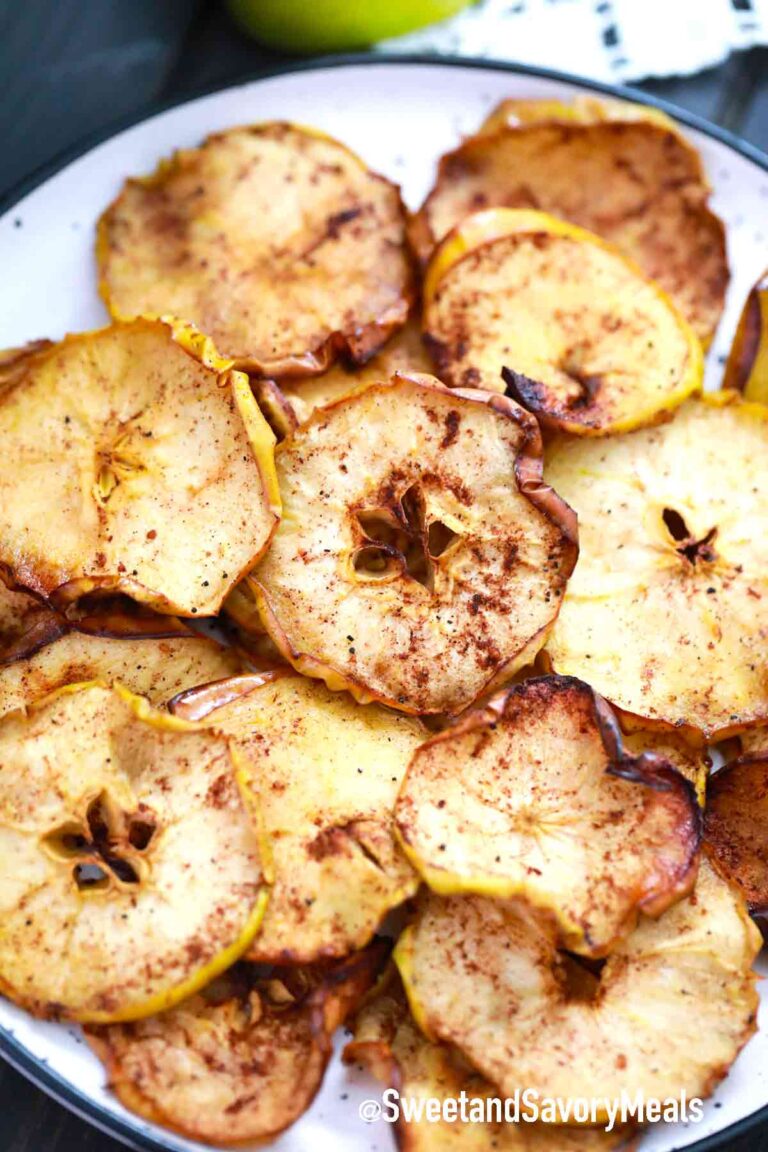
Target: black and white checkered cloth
609,40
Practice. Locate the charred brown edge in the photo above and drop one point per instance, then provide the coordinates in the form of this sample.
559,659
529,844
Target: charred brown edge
275,407
198,703
746,342
532,395
758,911
340,989
529,472
39,635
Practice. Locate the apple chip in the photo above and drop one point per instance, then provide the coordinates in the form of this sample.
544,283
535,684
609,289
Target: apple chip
421,559
533,796
26,624
672,1007
153,474
388,1044
131,870
638,184
667,612
274,239
158,667
514,113
326,771
747,367
593,354
241,1060
736,829
403,352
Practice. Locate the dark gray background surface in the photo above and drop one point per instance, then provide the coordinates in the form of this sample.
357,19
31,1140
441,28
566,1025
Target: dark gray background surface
72,67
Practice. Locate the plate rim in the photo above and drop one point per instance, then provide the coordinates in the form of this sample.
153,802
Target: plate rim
33,1068
49,168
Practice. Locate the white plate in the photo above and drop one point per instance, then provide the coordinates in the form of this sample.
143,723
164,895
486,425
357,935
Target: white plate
399,117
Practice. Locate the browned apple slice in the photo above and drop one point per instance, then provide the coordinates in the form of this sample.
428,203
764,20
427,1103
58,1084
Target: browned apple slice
326,771
421,559
671,1009
533,796
153,475
747,367
736,829
157,667
274,239
638,184
666,614
594,354
132,871
241,1060
388,1044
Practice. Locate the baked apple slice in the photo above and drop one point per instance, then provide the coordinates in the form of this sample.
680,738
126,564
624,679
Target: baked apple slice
241,1060
142,465
157,667
132,871
747,367
421,560
736,829
667,612
326,771
638,184
513,113
533,796
275,240
671,1009
593,354
388,1044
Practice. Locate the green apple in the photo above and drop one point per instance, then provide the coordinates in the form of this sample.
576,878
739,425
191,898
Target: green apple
335,25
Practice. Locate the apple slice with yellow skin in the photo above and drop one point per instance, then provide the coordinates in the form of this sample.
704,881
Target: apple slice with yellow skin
666,614
420,560
156,667
242,1059
154,476
326,770
274,239
387,1043
671,1009
635,182
602,352
133,870
747,367
546,811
